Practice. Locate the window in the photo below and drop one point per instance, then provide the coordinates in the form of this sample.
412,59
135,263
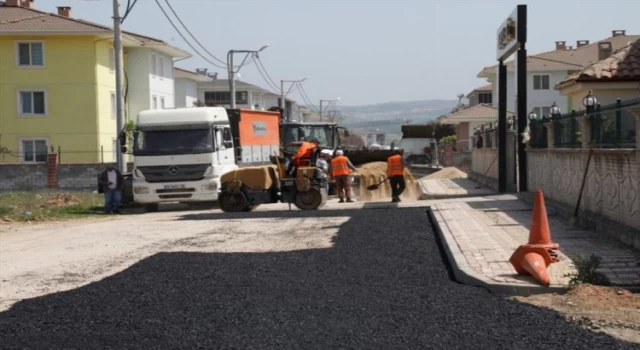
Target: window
485,97
155,103
33,150
30,54
542,111
112,60
212,98
32,103
541,82
161,67
153,64
162,102
114,105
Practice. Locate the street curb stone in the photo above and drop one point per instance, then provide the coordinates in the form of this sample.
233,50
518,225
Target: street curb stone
464,274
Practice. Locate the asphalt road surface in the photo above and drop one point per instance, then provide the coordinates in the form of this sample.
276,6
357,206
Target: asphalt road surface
377,281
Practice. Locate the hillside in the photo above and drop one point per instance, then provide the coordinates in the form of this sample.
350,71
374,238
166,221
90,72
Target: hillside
388,117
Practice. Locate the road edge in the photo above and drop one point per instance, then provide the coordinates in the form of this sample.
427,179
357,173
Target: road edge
464,274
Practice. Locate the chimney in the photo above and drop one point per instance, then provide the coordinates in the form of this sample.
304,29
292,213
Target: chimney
202,71
213,76
582,43
561,45
604,50
618,33
64,11
20,3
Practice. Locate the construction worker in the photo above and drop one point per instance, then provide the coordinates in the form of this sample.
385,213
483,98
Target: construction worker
395,173
304,151
341,168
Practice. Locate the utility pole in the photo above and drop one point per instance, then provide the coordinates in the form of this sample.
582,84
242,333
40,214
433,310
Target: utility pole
321,101
232,72
117,48
283,101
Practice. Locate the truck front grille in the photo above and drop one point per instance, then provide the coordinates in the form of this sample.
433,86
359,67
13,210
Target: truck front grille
174,173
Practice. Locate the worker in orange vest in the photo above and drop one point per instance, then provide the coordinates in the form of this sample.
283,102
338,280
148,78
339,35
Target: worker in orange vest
304,152
341,168
395,173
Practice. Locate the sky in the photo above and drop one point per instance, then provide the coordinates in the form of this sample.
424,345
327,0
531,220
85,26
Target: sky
363,51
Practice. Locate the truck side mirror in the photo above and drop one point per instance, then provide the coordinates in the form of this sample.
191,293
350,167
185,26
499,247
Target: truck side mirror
346,133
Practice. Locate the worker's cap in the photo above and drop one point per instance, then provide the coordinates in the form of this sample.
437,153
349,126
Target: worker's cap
339,152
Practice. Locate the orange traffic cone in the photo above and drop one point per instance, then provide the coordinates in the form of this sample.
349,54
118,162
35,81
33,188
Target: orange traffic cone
539,232
534,257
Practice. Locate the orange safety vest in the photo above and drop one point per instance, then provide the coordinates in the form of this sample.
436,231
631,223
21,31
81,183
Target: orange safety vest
304,150
339,166
395,166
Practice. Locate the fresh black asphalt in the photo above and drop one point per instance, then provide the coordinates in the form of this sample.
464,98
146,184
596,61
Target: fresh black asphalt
382,285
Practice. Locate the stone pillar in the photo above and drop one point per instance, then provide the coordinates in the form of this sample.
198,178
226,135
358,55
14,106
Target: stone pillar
585,130
52,170
550,136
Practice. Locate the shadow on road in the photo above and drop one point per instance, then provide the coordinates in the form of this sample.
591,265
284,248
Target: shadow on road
382,285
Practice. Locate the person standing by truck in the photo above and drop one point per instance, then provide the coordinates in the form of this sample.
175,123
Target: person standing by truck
341,168
112,184
395,173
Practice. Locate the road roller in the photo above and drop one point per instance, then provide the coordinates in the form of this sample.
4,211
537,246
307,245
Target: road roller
244,189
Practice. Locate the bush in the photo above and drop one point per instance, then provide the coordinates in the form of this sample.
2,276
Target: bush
586,271
449,139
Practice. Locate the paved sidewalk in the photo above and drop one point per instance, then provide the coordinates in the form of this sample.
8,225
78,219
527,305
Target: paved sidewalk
451,188
480,236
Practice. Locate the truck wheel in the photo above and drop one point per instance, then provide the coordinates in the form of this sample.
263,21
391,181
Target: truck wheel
151,208
232,202
310,200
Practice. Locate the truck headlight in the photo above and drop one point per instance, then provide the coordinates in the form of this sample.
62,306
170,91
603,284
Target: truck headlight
140,190
210,187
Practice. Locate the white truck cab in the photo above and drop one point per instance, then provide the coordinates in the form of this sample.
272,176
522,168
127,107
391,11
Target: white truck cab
179,155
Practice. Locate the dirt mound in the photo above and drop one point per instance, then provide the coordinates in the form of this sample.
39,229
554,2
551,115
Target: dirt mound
374,173
447,173
604,297
61,200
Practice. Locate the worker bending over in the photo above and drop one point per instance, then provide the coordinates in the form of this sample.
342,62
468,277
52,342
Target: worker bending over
341,170
395,173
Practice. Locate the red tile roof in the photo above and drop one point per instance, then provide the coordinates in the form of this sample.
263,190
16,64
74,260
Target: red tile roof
622,65
25,20
577,58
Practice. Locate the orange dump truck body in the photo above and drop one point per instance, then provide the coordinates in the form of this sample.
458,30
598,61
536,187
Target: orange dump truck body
256,135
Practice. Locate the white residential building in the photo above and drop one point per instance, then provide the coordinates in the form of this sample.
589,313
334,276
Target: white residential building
149,77
186,87
547,69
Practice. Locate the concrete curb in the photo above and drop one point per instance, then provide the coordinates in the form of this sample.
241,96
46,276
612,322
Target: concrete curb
464,274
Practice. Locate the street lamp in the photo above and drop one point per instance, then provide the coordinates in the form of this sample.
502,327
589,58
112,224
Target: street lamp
232,73
554,109
510,122
589,101
533,116
321,101
283,103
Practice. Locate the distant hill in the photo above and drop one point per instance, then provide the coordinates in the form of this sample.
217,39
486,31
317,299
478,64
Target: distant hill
388,117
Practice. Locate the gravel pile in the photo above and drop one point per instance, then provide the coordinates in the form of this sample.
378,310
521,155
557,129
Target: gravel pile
376,288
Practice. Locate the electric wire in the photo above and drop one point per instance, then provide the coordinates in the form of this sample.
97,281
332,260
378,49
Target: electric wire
185,39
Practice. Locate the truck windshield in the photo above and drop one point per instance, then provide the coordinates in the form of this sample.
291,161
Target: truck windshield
323,133
170,142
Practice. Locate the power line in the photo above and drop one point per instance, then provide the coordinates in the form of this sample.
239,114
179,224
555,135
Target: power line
189,32
166,15
265,71
269,83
